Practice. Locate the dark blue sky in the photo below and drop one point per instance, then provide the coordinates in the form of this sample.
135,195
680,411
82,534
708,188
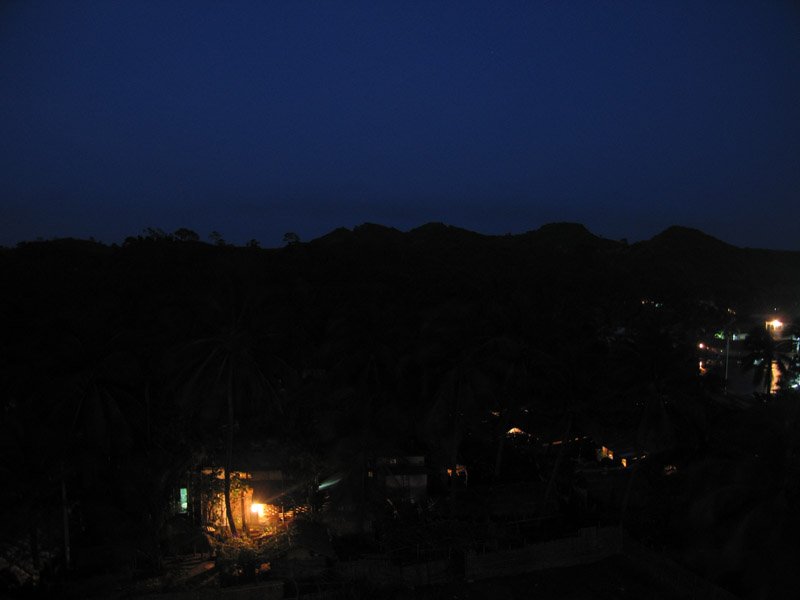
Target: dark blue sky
257,118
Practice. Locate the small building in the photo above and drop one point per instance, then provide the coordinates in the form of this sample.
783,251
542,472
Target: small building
263,498
403,478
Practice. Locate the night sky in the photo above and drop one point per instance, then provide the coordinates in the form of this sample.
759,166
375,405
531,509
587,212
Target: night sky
257,118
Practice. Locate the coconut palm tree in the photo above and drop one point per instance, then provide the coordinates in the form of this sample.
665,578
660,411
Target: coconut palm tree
29,451
461,396
224,374
658,398
69,424
511,361
94,387
738,514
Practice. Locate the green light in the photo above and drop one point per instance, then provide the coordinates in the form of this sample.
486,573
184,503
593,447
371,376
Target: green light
330,482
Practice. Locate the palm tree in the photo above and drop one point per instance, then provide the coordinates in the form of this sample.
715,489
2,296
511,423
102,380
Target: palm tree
74,424
459,403
223,374
526,379
513,362
739,518
94,386
658,396
29,451
361,374
566,388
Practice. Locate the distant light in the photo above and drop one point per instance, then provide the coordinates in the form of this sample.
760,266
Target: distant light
515,431
701,345
775,324
257,509
330,482
458,470
604,452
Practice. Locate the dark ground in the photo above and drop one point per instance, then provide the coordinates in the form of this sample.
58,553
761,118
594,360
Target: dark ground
613,578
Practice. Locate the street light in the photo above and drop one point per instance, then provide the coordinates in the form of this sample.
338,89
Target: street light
774,325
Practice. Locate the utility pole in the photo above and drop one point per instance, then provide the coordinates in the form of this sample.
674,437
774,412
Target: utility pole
727,356
65,517
727,352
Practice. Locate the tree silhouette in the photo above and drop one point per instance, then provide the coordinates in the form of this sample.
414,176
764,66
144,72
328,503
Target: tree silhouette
186,235
216,238
290,238
222,375
737,514
98,387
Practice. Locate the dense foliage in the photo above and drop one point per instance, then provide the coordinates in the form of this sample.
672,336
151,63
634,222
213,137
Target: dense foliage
124,365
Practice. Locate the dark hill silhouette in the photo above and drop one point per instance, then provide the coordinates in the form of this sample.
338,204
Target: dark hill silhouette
337,236
694,263
687,236
361,341
374,231
680,263
564,236
439,232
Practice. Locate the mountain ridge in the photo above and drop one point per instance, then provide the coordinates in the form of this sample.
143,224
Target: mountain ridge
679,262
